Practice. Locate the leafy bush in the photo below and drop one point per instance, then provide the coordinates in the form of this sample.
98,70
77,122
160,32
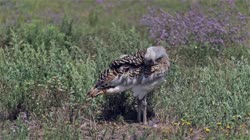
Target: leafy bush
36,79
207,95
36,34
197,26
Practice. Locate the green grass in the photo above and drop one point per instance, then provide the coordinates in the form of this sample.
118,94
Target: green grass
47,67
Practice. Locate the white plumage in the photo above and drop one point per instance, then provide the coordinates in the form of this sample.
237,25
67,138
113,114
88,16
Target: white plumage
140,72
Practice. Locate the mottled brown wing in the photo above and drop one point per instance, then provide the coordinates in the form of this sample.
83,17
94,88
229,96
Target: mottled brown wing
133,60
106,78
104,83
120,67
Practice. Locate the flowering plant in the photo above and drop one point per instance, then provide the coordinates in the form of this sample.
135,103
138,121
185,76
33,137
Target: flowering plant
197,26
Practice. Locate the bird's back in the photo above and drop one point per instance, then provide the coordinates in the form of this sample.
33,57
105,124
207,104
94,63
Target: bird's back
130,72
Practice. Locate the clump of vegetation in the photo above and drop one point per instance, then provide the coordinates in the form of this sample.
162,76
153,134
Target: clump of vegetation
213,28
35,79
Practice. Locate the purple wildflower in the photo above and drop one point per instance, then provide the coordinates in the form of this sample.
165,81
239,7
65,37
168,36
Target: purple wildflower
196,26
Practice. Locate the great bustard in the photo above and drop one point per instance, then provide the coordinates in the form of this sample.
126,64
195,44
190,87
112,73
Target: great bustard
140,72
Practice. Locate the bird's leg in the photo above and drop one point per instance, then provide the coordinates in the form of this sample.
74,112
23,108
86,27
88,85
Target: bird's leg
144,103
139,110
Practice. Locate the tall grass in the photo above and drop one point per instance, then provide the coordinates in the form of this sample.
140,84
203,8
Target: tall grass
207,95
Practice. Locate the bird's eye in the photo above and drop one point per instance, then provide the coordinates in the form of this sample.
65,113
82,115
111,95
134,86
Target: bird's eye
158,59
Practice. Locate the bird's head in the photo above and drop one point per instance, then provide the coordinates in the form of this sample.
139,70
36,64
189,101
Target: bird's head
153,53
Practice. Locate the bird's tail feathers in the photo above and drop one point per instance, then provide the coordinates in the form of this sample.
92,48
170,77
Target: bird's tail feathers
95,92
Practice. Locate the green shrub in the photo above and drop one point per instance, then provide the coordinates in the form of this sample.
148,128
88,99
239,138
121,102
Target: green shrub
37,34
207,95
37,79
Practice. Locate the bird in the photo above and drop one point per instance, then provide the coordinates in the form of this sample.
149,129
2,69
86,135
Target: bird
140,72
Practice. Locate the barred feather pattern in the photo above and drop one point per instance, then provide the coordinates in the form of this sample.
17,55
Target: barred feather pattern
128,66
130,72
132,60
